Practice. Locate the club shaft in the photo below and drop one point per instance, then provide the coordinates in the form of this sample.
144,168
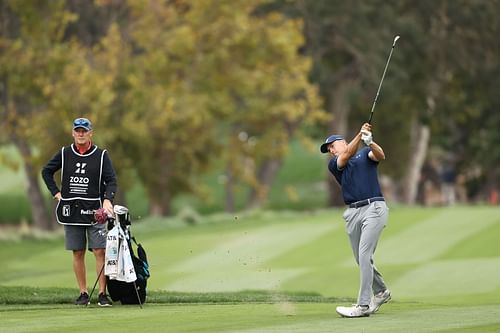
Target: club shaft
380,84
96,281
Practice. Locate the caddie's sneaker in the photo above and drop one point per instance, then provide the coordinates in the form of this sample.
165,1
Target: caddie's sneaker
379,299
83,299
103,300
353,311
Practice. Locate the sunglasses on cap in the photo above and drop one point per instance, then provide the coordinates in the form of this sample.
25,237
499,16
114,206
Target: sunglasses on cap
82,123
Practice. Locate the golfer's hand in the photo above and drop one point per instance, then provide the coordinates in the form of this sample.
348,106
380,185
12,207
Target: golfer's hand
106,204
366,127
57,196
367,137
366,134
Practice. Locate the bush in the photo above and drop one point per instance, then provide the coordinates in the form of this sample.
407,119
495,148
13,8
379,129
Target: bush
14,208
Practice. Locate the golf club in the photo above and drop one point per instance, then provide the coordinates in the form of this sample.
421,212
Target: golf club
95,284
382,80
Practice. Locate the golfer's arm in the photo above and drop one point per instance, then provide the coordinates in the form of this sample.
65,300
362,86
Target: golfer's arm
352,148
376,153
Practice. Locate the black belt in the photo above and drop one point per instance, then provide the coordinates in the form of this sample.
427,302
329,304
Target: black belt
365,202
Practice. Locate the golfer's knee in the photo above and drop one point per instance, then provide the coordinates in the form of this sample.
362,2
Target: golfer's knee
365,259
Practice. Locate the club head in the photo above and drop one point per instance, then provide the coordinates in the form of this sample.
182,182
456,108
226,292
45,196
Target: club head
395,40
120,209
121,214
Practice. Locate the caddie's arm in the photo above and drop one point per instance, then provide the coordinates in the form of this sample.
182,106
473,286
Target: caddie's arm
48,172
109,177
108,206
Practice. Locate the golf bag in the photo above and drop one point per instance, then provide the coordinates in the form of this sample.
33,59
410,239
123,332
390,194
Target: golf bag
133,292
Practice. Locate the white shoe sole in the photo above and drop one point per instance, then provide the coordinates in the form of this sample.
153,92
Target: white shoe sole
344,315
104,305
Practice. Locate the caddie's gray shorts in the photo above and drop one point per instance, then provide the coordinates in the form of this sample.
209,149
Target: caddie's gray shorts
78,237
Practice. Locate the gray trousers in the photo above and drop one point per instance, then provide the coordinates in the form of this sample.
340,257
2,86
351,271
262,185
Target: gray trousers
364,226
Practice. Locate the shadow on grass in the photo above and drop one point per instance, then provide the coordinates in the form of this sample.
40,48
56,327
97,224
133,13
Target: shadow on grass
37,296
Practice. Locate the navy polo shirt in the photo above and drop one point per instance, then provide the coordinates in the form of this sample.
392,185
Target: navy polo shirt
358,179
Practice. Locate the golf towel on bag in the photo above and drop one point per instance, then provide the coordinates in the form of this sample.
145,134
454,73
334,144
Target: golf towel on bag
126,271
111,257
118,260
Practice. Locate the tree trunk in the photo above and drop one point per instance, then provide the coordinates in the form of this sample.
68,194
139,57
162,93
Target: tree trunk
339,106
160,198
39,212
159,205
229,205
419,143
266,175
420,136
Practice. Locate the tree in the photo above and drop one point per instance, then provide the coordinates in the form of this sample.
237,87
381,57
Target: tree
265,96
441,42
345,41
450,50
200,74
29,54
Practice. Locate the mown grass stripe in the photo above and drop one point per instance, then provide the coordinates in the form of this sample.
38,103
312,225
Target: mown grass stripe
241,262
450,277
421,321
432,237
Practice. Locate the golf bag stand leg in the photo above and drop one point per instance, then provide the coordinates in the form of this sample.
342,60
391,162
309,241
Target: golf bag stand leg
137,293
95,284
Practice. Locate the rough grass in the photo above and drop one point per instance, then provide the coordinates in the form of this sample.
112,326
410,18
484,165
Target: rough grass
38,296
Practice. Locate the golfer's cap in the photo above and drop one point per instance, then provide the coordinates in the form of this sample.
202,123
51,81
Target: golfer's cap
330,139
82,123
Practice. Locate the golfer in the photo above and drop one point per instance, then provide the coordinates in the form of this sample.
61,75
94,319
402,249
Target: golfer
366,216
88,182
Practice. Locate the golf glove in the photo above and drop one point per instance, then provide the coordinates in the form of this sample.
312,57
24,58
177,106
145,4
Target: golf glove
367,138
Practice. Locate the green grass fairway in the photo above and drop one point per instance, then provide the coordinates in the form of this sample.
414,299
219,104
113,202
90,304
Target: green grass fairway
442,265
247,318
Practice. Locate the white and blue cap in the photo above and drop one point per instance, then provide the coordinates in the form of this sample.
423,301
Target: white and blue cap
82,123
330,139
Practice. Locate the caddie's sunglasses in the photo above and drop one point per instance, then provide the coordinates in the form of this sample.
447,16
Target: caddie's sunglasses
81,122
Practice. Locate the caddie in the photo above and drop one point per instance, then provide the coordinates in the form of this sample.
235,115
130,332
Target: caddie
88,182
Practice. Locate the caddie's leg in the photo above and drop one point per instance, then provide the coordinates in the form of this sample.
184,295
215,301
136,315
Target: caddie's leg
75,239
79,269
375,220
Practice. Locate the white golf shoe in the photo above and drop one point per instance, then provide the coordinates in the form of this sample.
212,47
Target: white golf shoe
353,311
379,299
